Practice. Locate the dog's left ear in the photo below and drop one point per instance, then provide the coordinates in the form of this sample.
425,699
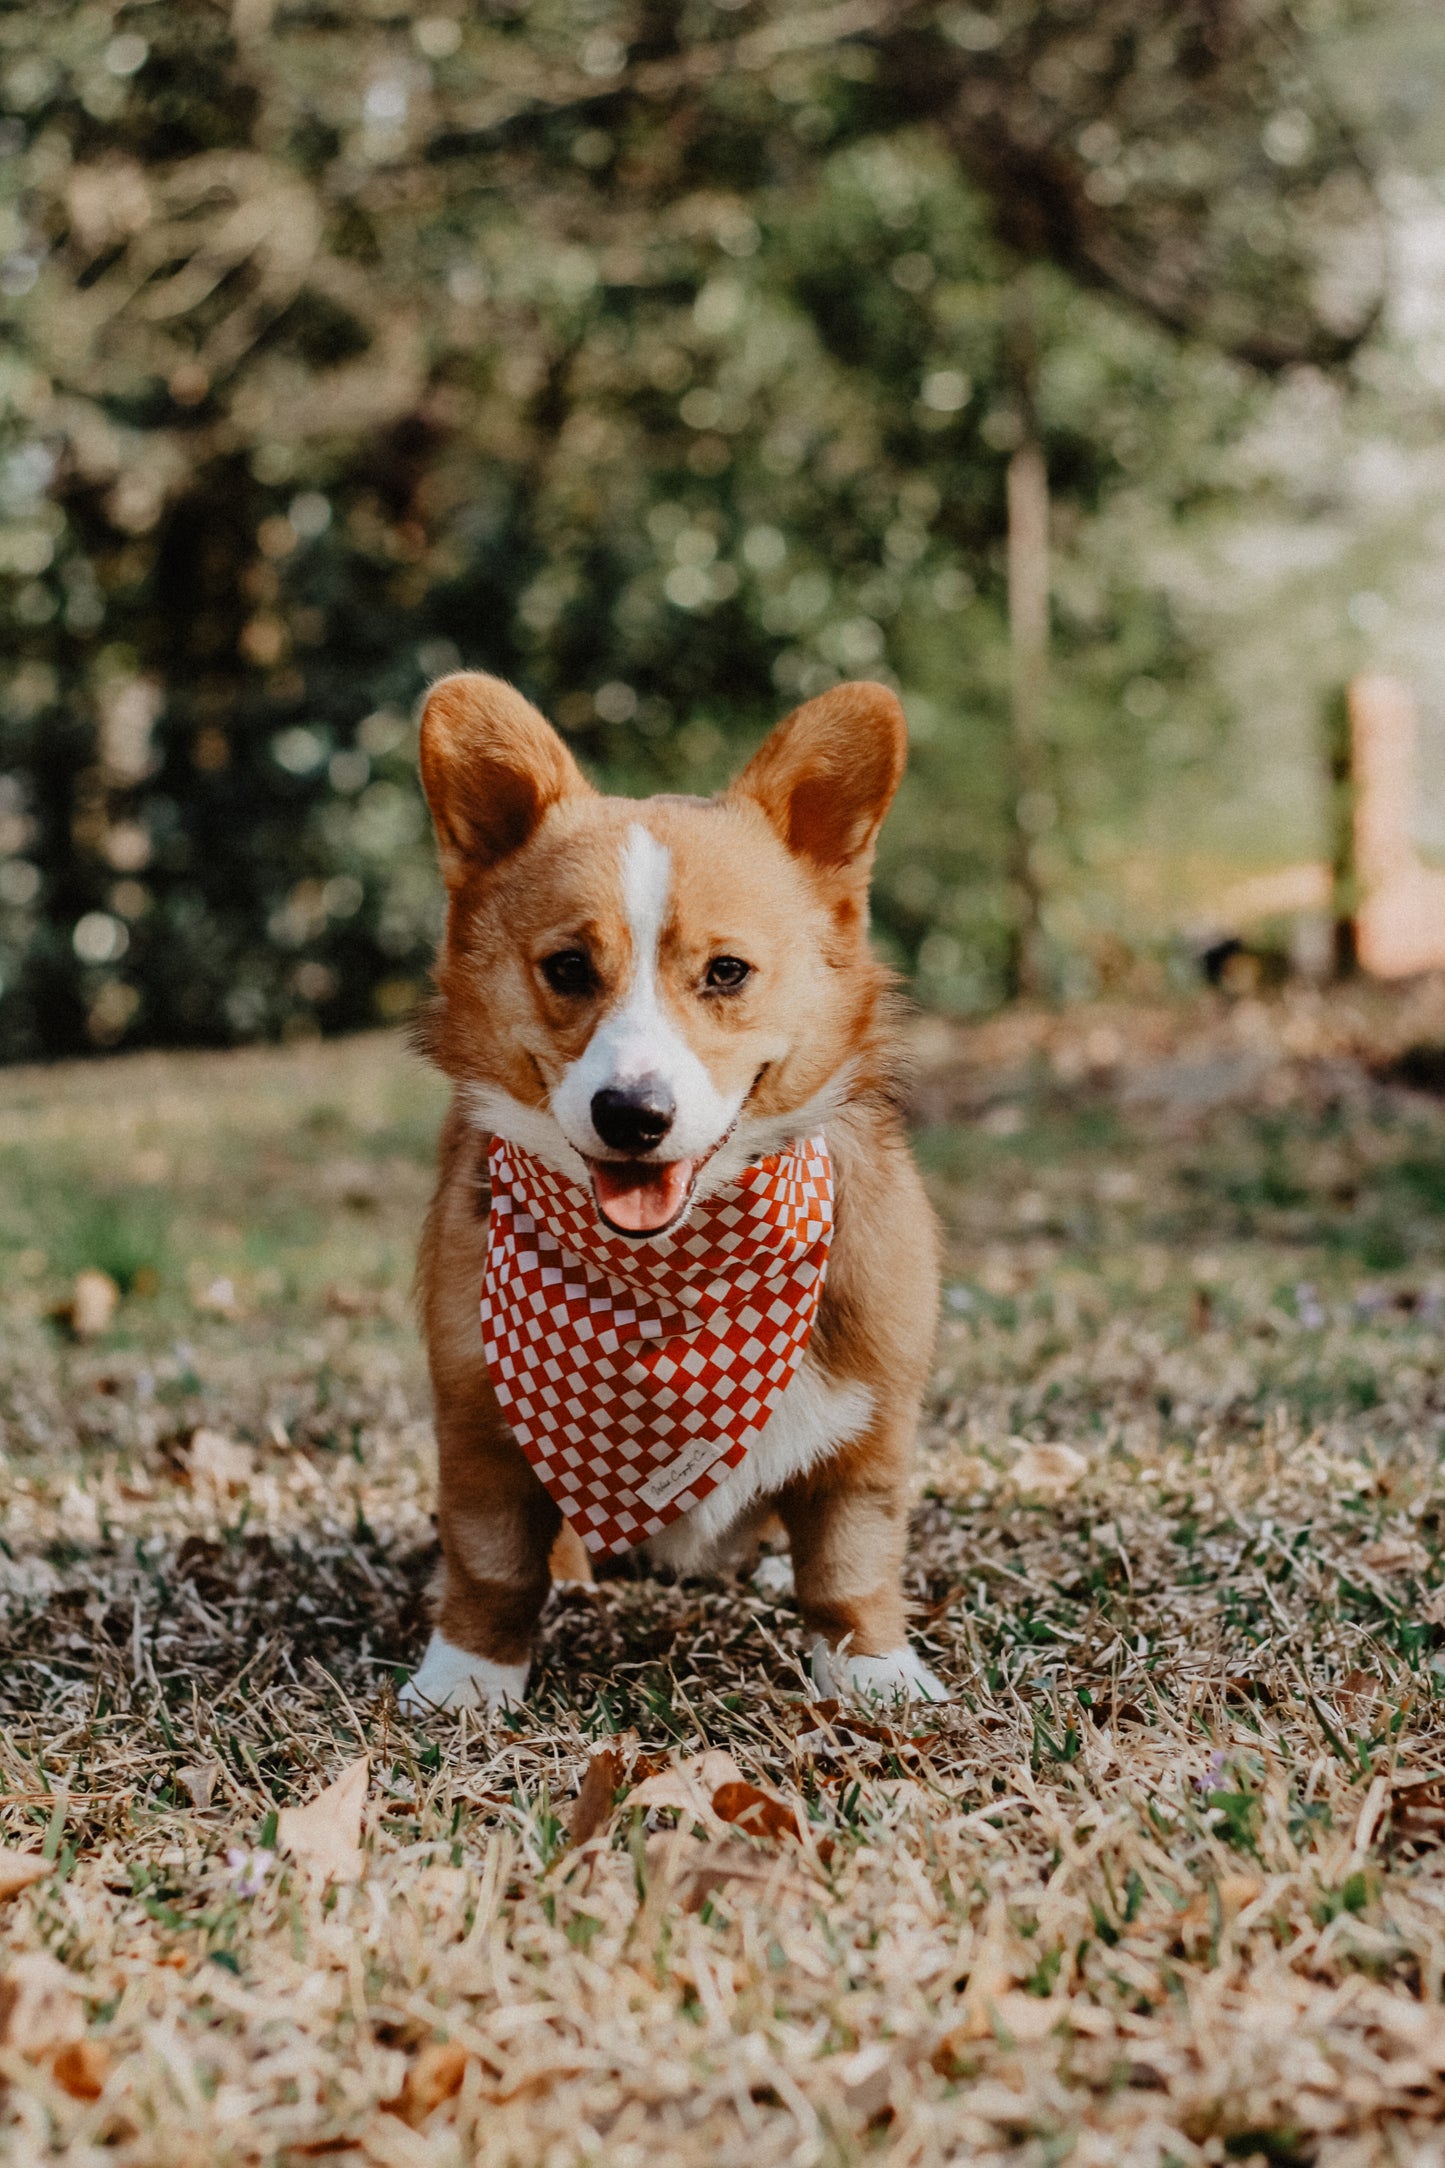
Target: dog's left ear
826,776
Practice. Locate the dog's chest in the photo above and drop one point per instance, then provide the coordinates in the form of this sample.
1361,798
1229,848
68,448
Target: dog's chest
814,1417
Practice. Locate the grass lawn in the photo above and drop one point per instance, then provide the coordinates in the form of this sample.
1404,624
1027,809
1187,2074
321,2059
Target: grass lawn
1162,1885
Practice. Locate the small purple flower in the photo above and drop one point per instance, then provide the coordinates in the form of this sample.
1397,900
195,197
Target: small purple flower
1213,1775
1309,1307
249,1870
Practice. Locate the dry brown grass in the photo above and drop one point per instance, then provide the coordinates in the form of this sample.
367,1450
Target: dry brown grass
1162,1884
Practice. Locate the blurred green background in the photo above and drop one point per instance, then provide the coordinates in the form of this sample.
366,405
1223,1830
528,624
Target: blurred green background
676,362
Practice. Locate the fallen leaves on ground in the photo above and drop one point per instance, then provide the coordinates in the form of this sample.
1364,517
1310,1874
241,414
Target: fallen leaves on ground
199,1779
326,1834
999,1962
690,1869
41,2009
689,1786
94,1298
1396,1554
592,1808
1358,1698
1417,1814
435,2074
218,1299
219,1464
838,1732
756,1813
1047,1471
82,2067
1419,2026
1210,1911
19,1869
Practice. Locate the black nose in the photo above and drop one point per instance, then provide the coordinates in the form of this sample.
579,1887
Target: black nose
635,1117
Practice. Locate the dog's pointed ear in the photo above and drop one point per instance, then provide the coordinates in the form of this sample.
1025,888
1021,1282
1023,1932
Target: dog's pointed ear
826,776
491,766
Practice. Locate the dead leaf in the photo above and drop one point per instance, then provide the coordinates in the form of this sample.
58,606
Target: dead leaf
434,2075
1047,1471
218,1299
693,1869
959,1474
1086,2017
755,1813
866,2077
1232,1893
200,1781
218,1464
1417,1815
1026,2017
82,2067
689,1786
1396,1554
951,2057
40,2006
1419,2025
19,1869
1357,1697
843,1732
999,2103
326,1834
93,1300
997,1966
350,1302
592,1808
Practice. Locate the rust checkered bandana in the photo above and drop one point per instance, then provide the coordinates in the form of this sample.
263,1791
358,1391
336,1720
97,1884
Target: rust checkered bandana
635,1375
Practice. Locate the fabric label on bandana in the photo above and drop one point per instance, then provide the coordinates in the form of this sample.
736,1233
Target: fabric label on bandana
662,1488
636,1374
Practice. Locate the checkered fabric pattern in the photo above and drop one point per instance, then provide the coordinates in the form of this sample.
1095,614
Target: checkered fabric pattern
635,1375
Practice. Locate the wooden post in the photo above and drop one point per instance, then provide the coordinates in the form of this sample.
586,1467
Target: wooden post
1344,886
1400,902
1028,616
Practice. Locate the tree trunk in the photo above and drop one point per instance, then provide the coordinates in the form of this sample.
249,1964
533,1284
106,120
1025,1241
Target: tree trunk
1028,613
1344,885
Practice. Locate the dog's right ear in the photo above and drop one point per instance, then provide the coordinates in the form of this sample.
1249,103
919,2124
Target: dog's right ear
491,766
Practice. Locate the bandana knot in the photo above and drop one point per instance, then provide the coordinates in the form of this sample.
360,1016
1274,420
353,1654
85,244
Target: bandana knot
636,1375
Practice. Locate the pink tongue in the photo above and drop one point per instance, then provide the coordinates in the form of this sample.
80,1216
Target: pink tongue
639,1196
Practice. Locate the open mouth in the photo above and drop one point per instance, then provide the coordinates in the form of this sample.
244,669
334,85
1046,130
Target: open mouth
642,1196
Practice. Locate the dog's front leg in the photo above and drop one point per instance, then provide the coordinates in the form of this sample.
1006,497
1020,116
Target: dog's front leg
497,1527
848,1526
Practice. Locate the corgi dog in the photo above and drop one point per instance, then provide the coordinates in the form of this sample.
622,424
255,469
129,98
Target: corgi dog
660,1016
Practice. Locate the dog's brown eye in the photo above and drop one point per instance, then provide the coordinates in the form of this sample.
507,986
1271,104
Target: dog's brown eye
725,974
568,972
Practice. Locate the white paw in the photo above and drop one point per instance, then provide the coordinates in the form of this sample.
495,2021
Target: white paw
448,1678
898,1676
774,1577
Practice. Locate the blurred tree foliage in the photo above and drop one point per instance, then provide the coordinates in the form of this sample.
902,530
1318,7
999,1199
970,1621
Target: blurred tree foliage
661,358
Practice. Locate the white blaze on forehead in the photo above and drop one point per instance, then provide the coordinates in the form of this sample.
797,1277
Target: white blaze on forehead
646,880
637,1037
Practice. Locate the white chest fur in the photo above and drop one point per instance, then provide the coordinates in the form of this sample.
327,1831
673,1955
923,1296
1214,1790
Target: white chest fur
815,1415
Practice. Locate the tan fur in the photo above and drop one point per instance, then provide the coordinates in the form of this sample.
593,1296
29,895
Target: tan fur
775,871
